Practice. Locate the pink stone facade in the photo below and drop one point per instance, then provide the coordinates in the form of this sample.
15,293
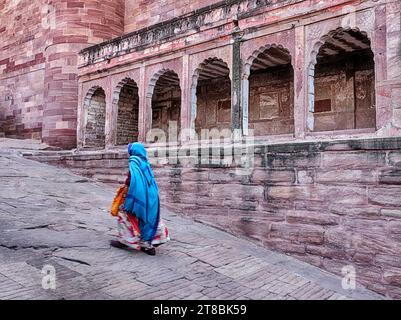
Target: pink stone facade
39,49
45,81
318,84
143,13
359,101
331,204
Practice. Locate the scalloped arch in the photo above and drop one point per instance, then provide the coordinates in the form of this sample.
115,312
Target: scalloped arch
89,94
119,86
197,71
248,63
155,78
318,44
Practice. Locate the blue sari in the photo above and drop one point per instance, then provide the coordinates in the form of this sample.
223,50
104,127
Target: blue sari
143,194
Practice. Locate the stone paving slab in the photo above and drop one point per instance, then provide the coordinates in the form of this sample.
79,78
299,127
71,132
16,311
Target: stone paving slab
49,216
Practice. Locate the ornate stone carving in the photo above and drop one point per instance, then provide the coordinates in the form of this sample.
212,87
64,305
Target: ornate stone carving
166,30
365,20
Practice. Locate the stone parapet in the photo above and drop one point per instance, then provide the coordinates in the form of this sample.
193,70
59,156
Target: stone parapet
167,30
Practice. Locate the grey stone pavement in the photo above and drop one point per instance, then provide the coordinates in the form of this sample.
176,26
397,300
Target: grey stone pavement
49,216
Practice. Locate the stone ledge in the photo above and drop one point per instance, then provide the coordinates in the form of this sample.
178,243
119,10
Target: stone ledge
309,148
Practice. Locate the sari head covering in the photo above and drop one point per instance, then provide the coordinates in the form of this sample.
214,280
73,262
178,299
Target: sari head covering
143,194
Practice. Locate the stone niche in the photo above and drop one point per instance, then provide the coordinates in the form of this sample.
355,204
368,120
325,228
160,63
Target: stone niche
344,92
95,116
214,104
271,101
128,114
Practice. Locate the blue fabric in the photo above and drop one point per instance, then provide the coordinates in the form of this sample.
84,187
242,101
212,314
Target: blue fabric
143,194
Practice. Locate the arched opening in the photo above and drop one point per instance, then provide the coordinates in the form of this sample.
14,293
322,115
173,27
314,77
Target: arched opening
166,106
127,99
342,91
211,96
271,92
95,118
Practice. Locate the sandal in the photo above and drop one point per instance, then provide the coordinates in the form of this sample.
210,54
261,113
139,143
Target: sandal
117,244
151,251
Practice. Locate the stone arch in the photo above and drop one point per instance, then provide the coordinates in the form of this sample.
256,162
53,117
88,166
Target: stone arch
249,62
212,69
94,117
163,99
359,111
268,91
126,103
320,42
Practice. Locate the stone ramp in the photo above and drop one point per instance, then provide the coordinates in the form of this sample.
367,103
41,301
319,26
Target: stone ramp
51,217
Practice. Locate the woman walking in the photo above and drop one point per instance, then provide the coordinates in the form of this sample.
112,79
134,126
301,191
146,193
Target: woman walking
139,223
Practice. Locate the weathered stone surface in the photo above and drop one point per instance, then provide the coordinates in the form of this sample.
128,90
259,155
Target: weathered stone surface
305,177
390,176
385,196
363,258
326,252
226,176
367,211
353,160
227,191
346,176
297,233
392,213
346,195
311,217
293,160
70,229
285,246
339,212
394,158
272,177
388,259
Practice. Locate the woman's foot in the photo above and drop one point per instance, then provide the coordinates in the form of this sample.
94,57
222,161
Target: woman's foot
149,251
118,244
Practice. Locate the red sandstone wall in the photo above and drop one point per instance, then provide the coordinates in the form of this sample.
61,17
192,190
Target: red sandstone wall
78,25
22,64
39,45
143,13
331,204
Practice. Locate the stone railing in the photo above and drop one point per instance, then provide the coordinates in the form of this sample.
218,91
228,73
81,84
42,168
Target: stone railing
171,28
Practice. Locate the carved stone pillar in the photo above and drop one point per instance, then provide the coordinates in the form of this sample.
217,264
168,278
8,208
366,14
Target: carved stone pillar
245,105
300,84
142,106
236,114
111,118
185,100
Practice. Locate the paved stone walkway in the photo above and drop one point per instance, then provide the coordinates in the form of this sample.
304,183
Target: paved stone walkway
49,216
